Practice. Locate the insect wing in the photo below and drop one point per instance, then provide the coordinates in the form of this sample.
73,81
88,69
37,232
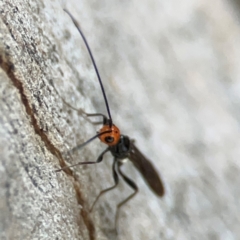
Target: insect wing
147,170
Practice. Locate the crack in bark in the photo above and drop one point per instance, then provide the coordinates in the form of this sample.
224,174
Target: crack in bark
8,68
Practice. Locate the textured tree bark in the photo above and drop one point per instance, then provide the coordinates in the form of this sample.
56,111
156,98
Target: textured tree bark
171,73
33,202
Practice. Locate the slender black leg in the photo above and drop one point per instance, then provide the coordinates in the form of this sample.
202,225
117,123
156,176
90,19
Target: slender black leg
78,147
79,110
82,112
96,123
116,180
99,159
132,185
97,115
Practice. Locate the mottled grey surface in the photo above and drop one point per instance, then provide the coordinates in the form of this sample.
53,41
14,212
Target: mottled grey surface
171,72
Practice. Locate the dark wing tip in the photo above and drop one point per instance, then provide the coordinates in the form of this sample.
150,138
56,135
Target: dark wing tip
147,170
161,190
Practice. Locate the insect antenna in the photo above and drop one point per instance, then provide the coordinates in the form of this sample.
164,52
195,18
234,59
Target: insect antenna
94,64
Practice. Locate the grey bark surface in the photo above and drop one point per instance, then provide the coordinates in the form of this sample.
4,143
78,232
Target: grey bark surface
171,73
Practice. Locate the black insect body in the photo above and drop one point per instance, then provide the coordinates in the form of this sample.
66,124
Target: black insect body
120,146
122,149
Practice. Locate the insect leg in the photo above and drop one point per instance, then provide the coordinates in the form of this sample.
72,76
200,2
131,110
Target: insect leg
80,111
132,185
78,147
116,180
99,159
96,115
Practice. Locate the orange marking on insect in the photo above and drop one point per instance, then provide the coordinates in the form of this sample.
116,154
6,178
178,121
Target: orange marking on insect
110,138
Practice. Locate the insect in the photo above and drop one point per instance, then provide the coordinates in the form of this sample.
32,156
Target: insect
120,146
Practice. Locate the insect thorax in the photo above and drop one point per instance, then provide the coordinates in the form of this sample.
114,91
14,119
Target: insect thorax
122,149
